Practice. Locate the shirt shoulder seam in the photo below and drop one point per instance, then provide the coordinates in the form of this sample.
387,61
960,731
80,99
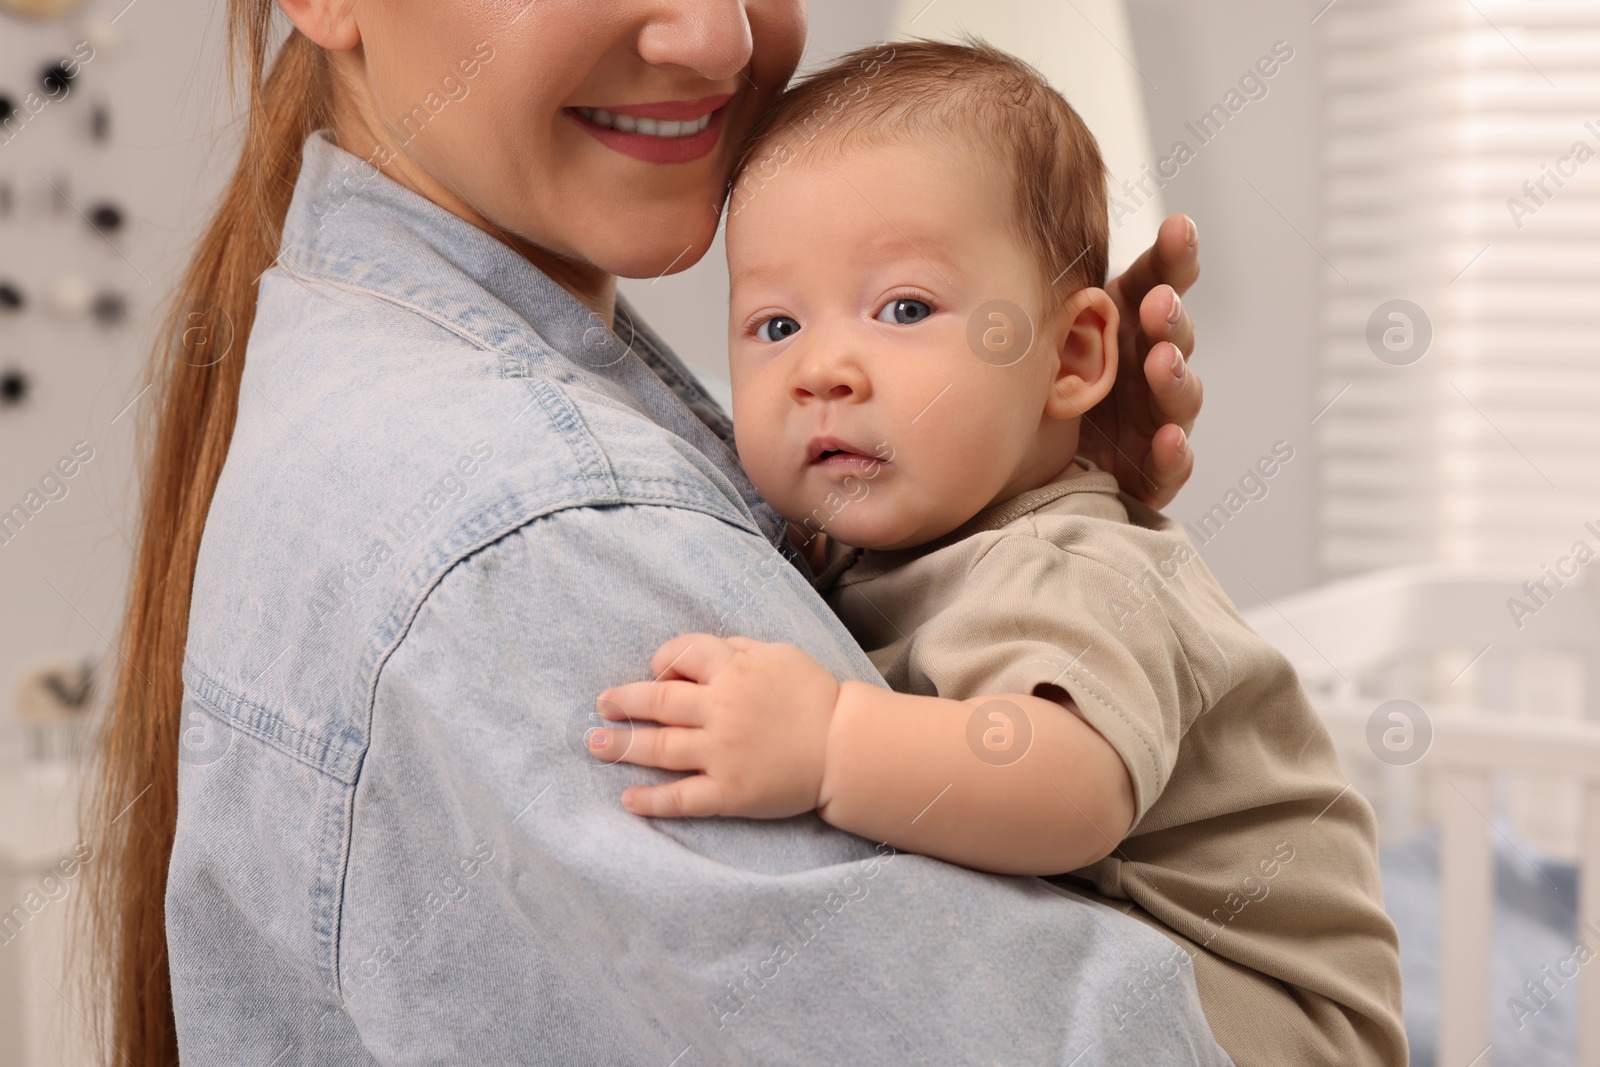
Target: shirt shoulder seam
1098,690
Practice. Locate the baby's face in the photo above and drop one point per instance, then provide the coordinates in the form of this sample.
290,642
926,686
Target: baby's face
859,401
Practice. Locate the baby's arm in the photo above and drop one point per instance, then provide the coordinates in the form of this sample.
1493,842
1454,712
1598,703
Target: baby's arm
1012,784
917,772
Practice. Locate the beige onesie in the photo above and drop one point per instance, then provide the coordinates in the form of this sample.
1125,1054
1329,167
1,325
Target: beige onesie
1248,848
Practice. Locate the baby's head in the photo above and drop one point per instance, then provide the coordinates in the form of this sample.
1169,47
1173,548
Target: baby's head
916,240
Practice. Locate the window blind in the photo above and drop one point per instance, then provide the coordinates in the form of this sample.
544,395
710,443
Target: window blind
1461,176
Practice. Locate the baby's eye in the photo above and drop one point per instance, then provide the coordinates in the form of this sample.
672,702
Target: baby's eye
905,311
777,328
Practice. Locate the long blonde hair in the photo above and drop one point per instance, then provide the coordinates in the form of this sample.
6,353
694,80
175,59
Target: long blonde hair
132,814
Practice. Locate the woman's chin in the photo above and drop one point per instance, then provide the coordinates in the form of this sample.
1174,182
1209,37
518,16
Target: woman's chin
654,252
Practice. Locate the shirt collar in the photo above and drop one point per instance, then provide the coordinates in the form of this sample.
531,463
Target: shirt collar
1092,480
851,565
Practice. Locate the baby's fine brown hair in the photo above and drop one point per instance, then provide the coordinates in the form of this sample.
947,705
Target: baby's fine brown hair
904,91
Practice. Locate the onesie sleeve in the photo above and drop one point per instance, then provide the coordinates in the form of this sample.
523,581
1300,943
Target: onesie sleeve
1031,615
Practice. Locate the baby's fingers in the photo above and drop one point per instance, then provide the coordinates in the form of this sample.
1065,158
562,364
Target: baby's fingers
674,703
694,656
649,746
694,797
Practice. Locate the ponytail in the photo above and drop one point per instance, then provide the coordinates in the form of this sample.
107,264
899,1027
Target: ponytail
131,813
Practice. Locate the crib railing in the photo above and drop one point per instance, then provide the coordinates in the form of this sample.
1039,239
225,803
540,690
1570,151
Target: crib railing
1470,750
1361,641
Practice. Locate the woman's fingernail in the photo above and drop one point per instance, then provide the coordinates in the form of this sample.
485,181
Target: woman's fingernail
597,739
1180,366
1183,444
1176,312
628,799
1194,234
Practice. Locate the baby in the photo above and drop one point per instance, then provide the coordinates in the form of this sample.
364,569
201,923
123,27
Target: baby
916,237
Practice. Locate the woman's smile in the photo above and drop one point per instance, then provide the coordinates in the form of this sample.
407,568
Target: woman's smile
668,131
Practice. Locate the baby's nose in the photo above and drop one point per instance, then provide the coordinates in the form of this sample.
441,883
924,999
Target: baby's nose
830,377
837,392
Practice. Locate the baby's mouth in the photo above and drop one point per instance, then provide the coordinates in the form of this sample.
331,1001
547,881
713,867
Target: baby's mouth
832,452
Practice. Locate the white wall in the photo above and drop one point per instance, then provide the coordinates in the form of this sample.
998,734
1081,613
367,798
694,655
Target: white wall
61,577
1254,190
1087,52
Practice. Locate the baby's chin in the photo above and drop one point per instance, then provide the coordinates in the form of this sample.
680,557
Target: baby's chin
878,533
880,516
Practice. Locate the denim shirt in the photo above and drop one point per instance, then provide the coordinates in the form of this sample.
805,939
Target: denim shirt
457,506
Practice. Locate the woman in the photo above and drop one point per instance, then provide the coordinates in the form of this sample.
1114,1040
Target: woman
464,491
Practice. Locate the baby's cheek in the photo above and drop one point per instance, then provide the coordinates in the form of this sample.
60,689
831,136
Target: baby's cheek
776,475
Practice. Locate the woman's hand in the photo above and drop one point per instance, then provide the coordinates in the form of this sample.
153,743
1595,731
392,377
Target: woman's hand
1140,431
751,717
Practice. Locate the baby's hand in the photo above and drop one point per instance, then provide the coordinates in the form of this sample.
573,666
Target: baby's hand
751,717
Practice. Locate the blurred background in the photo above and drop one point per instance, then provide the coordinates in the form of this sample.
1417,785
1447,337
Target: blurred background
1399,208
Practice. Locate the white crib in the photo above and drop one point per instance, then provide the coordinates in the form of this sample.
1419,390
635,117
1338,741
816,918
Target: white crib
1445,638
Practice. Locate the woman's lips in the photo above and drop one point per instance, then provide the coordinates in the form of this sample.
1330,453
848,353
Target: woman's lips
669,131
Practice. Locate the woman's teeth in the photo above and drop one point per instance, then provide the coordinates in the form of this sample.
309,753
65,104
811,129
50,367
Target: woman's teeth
647,127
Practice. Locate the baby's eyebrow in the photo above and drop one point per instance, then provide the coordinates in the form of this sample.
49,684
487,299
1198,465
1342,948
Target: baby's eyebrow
908,245
766,271
925,247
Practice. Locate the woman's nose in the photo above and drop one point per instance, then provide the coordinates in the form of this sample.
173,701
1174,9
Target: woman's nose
709,37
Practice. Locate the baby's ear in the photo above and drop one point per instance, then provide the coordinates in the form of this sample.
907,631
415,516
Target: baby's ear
1086,351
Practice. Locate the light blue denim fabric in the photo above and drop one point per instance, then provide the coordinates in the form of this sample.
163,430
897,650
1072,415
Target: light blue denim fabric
455,508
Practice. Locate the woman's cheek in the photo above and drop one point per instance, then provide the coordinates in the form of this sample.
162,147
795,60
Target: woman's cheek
778,38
